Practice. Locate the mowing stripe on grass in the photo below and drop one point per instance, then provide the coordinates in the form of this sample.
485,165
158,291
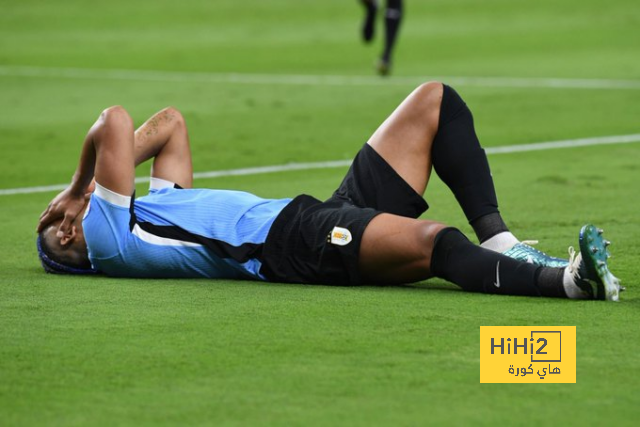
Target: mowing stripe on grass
550,145
311,80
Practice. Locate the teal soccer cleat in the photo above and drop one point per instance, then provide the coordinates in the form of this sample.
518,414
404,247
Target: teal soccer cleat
589,268
523,252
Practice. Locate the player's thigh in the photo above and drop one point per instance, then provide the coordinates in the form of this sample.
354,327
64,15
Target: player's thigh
397,249
372,183
404,139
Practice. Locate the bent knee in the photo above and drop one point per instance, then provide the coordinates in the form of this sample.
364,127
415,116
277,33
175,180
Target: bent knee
426,100
430,91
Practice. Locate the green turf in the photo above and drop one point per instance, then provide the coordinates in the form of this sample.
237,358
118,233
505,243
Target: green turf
78,351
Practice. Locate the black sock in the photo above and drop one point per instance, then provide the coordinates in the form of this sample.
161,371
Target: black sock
476,269
392,19
369,25
488,226
462,164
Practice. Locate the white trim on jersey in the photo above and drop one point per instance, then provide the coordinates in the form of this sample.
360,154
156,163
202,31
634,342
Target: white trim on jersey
157,240
112,197
159,183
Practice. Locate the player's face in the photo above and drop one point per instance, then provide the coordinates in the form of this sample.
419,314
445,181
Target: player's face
74,239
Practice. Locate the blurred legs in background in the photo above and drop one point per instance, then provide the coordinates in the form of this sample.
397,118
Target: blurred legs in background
392,19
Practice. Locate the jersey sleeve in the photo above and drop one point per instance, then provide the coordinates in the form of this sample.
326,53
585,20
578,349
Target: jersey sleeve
106,223
157,184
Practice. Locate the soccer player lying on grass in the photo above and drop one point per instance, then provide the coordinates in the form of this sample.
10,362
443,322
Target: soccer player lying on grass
366,233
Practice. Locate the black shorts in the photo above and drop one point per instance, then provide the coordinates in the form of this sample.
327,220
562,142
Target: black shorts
319,242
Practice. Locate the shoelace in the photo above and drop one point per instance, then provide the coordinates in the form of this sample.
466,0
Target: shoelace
530,242
574,261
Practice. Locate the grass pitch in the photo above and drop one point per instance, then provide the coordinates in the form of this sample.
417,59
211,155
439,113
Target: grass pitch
78,351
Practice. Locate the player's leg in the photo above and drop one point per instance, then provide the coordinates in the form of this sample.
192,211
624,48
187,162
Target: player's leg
434,126
404,140
403,250
164,136
474,268
369,24
397,249
462,164
392,20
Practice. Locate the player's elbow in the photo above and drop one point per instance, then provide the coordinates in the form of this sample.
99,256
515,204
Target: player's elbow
115,111
116,116
174,116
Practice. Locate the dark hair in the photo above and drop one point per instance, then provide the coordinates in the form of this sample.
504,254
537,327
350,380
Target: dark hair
60,263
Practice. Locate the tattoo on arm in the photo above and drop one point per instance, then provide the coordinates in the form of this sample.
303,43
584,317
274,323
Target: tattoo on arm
146,142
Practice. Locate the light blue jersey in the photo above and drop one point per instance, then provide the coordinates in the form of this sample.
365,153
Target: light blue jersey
179,232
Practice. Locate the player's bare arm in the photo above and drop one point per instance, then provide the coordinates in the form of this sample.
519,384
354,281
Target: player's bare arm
110,153
164,138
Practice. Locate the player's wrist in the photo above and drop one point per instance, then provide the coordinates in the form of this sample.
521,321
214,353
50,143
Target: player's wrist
79,186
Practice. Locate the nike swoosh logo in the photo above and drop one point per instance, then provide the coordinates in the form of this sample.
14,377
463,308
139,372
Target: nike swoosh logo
497,282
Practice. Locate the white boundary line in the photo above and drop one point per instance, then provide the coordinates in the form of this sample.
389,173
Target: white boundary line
550,145
310,80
